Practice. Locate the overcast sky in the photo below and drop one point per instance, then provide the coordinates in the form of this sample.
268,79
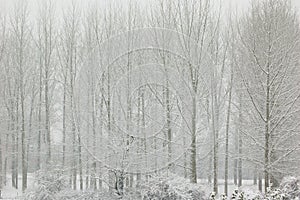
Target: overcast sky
6,5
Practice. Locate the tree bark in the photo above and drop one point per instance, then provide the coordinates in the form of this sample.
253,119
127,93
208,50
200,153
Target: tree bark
240,147
193,176
227,134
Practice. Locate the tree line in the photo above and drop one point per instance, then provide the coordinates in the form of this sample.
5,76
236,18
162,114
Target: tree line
113,95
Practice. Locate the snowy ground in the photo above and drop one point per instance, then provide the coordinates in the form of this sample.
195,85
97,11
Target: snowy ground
231,186
247,186
8,192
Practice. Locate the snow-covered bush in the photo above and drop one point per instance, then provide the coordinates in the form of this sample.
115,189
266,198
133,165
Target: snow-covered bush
85,195
290,187
171,187
244,193
274,194
238,195
288,190
52,184
47,184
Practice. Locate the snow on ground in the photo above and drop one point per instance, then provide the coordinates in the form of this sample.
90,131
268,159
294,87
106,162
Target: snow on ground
247,186
8,192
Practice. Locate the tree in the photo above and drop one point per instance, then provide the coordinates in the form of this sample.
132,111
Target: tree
192,19
2,78
20,34
70,58
267,66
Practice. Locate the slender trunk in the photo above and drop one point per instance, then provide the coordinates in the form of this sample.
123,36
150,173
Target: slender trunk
235,162
255,175
79,146
140,144
1,175
275,183
259,181
64,122
215,139
16,167
39,119
30,127
100,130
17,162
80,163
227,136
87,169
240,165
23,143
74,165
273,180
143,130
6,154
73,125
129,181
13,152
168,115
193,177
209,178
111,178
185,159
94,165
47,116
267,134
240,162
169,131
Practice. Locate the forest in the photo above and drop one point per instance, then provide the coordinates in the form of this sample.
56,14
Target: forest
165,100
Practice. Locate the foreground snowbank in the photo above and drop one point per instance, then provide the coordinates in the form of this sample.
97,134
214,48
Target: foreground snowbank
54,186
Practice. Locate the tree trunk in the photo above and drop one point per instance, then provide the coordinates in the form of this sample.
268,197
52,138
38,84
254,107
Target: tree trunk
6,154
74,164
13,152
235,162
259,182
47,115
193,176
23,143
73,125
215,137
267,132
94,128
140,144
227,135
240,161
30,127
39,118
80,164
209,171
16,165
64,121
255,175
87,168
101,130
1,170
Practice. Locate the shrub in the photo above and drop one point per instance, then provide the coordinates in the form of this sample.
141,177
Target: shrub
171,187
290,187
47,184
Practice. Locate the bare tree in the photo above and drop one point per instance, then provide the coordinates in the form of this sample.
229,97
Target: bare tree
20,31
269,49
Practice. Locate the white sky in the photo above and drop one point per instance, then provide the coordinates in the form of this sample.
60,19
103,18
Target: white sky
6,5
